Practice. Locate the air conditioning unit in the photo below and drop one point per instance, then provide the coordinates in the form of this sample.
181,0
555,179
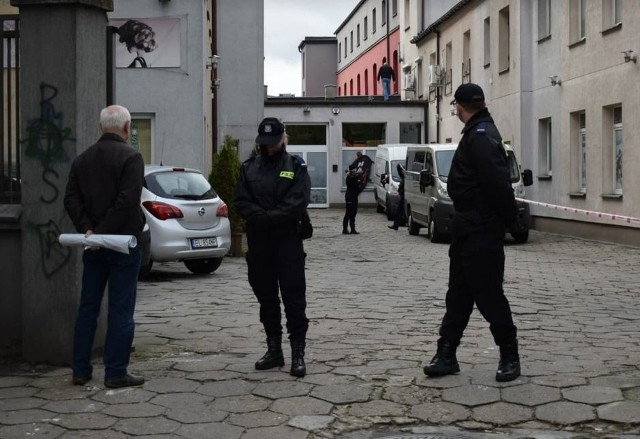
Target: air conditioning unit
409,81
435,76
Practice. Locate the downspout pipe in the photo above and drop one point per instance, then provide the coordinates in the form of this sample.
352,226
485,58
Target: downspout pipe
438,89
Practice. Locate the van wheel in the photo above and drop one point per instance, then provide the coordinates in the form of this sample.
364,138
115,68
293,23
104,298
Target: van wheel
390,215
379,207
413,228
434,233
521,237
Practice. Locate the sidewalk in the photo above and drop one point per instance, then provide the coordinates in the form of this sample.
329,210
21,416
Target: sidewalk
375,302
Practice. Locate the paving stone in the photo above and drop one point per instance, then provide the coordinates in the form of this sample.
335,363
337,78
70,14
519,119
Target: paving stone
124,396
411,395
241,404
24,416
632,394
38,430
17,392
440,412
376,408
139,410
501,413
211,430
593,394
217,375
178,400
170,385
74,406
301,405
20,403
82,421
227,388
67,392
618,381
13,381
559,380
531,394
311,423
257,419
196,414
278,390
627,412
565,413
102,434
341,394
147,426
444,382
281,432
471,395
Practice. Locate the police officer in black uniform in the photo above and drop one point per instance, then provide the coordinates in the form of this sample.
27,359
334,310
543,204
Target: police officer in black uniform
353,183
480,187
272,194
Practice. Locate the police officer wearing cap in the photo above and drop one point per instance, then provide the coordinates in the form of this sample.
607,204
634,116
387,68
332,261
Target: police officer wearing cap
479,185
272,194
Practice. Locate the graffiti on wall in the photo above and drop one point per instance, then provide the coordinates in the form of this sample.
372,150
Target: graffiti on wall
46,138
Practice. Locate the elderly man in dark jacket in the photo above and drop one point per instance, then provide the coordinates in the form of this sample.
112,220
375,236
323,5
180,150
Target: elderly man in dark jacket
480,187
103,196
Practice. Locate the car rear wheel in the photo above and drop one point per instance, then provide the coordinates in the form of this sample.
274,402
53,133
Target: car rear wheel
434,233
202,266
413,228
521,237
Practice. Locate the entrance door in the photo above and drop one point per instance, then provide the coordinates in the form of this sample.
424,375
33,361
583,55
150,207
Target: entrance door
316,159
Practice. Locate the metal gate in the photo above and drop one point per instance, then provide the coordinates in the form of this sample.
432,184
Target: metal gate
9,111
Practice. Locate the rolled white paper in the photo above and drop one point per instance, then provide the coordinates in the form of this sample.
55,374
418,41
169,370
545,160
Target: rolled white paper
119,243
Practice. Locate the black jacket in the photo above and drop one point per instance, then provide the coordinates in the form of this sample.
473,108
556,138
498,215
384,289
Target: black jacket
386,72
479,182
273,192
104,187
352,181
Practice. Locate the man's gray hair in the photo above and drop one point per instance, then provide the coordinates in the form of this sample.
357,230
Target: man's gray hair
114,117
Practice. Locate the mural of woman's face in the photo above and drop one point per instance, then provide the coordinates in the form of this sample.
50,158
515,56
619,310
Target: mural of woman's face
144,40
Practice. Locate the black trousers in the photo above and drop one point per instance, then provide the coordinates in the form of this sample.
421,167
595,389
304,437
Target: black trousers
350,212
275,263
476,275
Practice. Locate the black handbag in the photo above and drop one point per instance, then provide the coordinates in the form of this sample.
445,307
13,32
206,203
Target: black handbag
305,229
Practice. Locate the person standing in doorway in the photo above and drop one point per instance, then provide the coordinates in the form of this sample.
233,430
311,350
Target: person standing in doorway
398,219
385,75
352,181
484,203
103,196
272,194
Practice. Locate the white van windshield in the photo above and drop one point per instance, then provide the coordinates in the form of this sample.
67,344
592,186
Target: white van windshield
394,169
514,169
443,162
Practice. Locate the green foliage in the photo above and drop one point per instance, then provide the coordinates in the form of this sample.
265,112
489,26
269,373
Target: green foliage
224,177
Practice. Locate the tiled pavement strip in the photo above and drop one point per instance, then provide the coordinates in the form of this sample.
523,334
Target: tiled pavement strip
375,301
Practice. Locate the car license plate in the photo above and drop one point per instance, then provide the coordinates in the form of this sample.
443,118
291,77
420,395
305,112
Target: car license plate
204,242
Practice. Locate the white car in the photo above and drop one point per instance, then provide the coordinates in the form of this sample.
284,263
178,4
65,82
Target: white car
188,221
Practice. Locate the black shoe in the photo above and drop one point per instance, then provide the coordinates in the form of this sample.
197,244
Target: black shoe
298,368
353,232
445,361
509,365
126,381
273,357
393,227
345,232
80,380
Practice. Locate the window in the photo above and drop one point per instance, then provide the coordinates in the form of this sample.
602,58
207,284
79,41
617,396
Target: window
307,134
487,42
611,14
577,24
448,71
366,27
345,47
544,19
407,14
339,51
466,57
384,12
141,137
358,35
544,147
617,150
351,42
363,137
394,8
581,151
503,41
373,21
410,132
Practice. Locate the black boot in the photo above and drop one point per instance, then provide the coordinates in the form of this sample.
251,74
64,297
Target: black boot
509,366
445,361
298,368
345,231
273,357
354,232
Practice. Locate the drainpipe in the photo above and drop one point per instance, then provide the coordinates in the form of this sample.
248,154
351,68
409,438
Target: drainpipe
388,42
438,89
214,100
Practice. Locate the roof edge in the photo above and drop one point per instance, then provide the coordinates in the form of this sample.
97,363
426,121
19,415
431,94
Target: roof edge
450,13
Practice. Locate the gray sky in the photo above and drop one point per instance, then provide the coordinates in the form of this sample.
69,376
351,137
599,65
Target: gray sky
286,24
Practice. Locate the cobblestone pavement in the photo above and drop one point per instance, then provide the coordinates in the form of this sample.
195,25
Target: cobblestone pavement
375,304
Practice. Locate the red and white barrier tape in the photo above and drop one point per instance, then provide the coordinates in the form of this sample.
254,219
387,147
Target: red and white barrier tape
589,213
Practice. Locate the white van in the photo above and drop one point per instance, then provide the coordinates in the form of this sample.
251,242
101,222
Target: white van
385,177
427,202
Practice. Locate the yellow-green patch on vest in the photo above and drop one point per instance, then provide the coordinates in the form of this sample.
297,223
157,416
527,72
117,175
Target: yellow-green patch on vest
287,174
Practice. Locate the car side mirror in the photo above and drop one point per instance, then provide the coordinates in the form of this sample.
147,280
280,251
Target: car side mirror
527,177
